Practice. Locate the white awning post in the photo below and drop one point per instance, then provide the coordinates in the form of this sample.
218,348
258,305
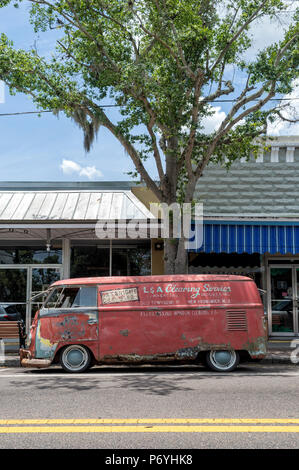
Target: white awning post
110,258
66,258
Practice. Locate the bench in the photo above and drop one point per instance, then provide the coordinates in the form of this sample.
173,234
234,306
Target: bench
13,329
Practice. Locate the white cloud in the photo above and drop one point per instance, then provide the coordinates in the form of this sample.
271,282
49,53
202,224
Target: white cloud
212,123
267,31
280,127
91,172
69,167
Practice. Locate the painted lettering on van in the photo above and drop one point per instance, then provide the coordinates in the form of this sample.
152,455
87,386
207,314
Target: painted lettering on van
172,289
208,288
192,290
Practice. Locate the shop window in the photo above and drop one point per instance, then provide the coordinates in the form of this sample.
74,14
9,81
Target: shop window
131,261
29,255
87,261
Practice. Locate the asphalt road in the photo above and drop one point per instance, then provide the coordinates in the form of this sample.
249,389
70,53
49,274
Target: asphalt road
256,407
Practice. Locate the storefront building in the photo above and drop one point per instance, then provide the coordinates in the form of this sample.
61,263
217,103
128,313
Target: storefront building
251,227
48,232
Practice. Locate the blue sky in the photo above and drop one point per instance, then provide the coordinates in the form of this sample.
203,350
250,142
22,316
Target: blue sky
33,148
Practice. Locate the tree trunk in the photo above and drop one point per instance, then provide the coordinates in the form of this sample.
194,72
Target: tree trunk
175,253
170,251
175,256
181,261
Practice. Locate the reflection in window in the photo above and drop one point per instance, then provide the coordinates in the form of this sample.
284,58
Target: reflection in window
131,261
89,261
72,297
32,255
13,284
282,300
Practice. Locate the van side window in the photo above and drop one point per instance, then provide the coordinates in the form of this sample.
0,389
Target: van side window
72,297
86,297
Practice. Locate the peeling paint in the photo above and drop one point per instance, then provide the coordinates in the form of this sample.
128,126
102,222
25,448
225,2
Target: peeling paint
70,328
167,323
124,332
43,346
181,355
256,348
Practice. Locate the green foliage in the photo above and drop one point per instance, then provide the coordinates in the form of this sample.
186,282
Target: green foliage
164,63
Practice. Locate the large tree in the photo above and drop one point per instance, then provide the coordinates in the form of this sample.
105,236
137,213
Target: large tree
164,63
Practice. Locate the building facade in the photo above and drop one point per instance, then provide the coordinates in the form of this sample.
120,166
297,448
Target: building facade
48,231
251,227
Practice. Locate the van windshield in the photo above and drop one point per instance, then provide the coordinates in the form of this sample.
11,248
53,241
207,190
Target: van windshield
72,297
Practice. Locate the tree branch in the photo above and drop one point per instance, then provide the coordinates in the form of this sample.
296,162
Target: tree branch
105,121
237,34
186,70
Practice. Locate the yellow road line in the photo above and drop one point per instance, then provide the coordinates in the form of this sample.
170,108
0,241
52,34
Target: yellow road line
148,429
151,421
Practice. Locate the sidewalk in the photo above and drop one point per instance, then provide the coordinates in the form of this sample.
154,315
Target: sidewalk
279,352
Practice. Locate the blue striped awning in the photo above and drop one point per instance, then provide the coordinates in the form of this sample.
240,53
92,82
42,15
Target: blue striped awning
229,237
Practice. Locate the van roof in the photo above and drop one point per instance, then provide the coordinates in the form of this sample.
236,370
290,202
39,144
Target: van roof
144,279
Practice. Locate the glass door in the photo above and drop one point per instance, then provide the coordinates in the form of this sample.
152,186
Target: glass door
283,300
19,284
13,293
41,279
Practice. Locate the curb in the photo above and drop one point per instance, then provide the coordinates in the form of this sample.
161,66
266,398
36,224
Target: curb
267,360
282,358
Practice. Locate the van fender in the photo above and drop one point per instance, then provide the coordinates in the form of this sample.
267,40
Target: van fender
44,349
257,349
62,345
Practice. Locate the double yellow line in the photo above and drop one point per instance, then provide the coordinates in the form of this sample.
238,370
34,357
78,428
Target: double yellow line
143,425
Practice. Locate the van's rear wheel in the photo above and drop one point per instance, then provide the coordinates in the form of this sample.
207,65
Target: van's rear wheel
222,361
75,358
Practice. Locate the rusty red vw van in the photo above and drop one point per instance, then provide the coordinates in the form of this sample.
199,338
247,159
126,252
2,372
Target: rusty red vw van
217,319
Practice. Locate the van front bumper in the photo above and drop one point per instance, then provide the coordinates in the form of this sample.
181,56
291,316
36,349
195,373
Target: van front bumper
26,360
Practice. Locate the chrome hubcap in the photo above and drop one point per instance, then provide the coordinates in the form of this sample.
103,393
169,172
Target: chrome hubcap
223,359
75,357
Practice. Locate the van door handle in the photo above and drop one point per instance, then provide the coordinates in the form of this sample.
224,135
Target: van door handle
92,322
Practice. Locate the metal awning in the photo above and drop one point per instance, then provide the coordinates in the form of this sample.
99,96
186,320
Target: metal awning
69,206
56,214
238,237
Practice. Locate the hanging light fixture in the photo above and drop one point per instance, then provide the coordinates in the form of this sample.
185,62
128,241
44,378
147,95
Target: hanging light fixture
48,244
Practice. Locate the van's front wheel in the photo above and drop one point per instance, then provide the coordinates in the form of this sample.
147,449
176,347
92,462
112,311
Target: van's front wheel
222,361
75,358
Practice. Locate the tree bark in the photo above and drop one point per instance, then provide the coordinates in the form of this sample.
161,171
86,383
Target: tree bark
170,253
175,252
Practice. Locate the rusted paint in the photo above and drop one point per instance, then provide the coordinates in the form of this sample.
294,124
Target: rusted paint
38,363
124,332
70,328
169,318
181,355
43,346
256,348
137,358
